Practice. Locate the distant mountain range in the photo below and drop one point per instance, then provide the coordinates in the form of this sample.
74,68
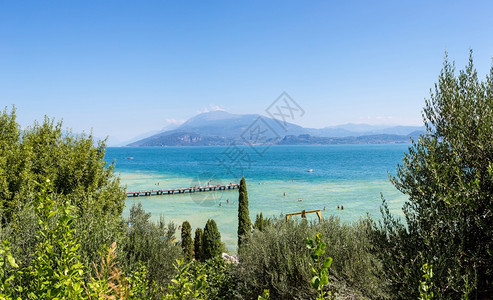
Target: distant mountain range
223,128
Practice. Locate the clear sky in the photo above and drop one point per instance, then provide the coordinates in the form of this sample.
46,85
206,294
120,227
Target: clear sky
125,68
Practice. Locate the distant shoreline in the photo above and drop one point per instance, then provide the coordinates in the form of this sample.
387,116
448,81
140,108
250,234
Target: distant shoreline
300,140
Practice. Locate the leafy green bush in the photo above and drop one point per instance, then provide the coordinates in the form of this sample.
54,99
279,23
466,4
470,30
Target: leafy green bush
277,259
220,279
7,263
56,271
56,236
211,279
152,244
77,170
22,234
356,268
186,286
110,282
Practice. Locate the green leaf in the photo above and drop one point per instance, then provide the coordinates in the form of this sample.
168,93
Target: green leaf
324,277
11,260
327,263
310,244
315,282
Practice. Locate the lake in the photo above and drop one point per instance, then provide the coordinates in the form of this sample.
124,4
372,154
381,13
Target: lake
280,180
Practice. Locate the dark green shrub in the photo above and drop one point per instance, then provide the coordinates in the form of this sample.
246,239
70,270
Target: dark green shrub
186,241
277,259
77,170
219,274
211,241
261,222
150,243
197,244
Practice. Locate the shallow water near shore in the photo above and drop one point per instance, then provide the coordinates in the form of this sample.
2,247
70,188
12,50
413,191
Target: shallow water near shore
278,181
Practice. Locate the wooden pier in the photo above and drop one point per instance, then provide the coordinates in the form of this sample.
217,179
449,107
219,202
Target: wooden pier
193,189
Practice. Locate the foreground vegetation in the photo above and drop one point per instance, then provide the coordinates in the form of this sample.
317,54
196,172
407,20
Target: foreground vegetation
63,236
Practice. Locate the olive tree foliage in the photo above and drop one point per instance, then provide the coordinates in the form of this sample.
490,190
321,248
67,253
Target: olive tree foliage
75,165
278,259
152,243
448,177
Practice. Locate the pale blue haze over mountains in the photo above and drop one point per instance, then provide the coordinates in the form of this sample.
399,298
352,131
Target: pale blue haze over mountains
222,128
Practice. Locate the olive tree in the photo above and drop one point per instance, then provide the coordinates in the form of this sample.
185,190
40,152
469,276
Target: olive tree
447,175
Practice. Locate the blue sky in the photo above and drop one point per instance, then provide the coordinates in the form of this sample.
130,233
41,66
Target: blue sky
126,68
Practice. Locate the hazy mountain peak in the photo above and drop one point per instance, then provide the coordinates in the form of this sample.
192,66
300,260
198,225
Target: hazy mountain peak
213,115
221,127
219,120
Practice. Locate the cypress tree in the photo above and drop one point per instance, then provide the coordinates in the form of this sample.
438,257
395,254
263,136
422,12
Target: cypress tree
197,243
186,240
258,222
211,241
244,222
261,222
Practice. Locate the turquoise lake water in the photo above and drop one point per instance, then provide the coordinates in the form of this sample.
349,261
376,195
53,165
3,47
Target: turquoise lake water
350,175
